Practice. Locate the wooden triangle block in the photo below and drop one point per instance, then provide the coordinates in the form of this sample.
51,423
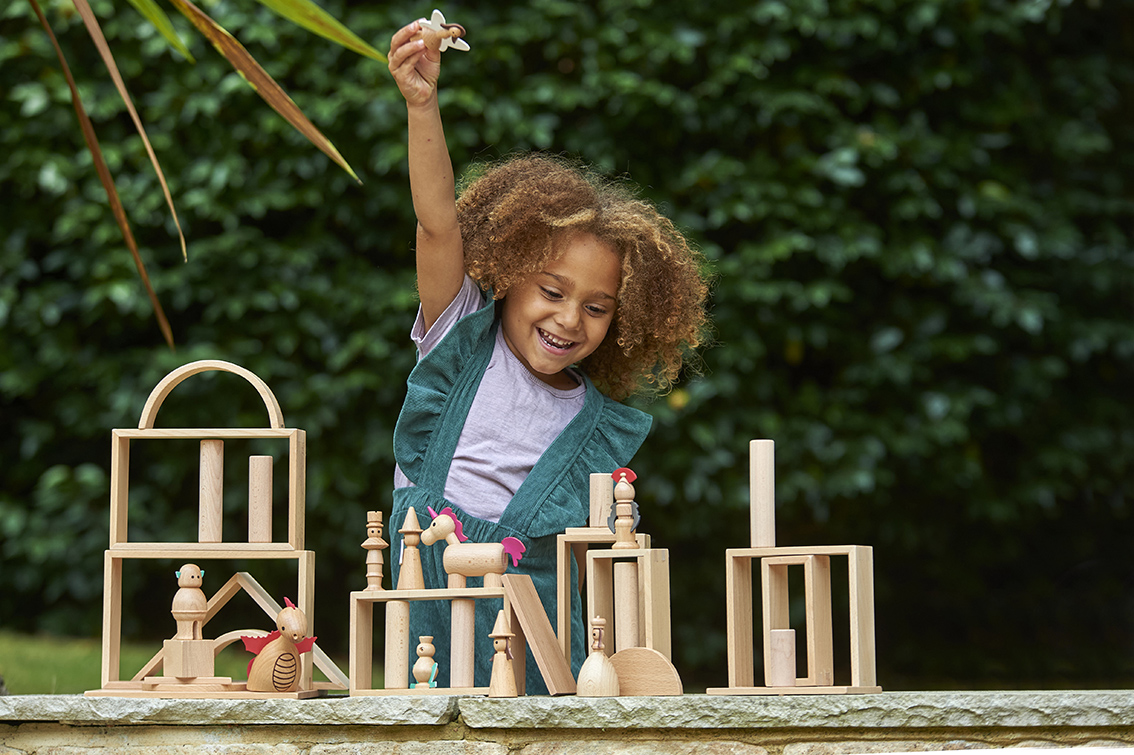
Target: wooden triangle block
531,622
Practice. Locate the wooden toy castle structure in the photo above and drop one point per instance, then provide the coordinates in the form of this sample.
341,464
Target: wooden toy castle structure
778,639
186,659
627,589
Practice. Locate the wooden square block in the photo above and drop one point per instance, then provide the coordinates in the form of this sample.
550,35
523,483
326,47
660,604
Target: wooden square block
186,659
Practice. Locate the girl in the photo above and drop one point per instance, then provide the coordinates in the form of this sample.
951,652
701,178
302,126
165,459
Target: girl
547,295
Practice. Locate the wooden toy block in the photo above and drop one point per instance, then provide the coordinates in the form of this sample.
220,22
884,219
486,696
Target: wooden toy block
575,541
780,669
209,545
260,499
738,580
185,659
817,588
212,491
528,620
778,649
602,498
410,576
762,489
650,595
645,671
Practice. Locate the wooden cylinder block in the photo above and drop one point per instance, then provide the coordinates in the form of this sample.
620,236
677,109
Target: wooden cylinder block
762,492
461,643
475,559
397,645
259,499
626,605
211,502
781,659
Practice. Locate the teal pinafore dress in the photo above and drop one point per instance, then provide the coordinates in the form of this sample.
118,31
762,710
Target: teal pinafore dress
602,437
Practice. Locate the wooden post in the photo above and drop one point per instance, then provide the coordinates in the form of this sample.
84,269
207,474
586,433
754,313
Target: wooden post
259,499
626,605
762,487
461,643
397,644
211,504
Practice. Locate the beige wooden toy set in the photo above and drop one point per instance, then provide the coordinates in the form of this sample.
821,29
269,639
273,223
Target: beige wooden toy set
185,661
778,639
626,585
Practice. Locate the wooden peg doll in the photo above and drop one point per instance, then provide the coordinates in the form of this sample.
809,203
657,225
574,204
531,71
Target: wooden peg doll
503,680
597,677
410,576
374,545
189,603
425,668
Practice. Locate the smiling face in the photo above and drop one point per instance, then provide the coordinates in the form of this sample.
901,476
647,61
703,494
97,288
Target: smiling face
556,317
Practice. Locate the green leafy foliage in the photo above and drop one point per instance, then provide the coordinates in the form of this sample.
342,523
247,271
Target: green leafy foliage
919,215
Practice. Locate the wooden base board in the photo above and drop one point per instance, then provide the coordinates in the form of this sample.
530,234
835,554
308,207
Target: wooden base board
236,691
793,690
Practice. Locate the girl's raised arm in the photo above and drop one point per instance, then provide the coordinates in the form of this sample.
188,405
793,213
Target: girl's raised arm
440,255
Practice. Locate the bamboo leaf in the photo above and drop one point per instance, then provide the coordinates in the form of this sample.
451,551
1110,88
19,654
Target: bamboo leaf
310,16
161,22
99,39
259,80
106,179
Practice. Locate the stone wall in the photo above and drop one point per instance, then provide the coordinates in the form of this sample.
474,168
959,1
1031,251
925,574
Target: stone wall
890,722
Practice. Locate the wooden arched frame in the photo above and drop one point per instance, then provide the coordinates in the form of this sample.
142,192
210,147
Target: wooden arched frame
178,376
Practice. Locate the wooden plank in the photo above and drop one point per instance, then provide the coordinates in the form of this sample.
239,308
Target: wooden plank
820,633
111,618
792,690
361,645
190,551
525,604
203,433
738,617
297,489
119,488
444,593
654,575
861,569
794,550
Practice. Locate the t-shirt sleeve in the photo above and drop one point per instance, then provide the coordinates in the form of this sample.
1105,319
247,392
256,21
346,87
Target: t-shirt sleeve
467,301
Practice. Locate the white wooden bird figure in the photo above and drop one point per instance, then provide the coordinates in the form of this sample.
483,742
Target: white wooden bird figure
440,36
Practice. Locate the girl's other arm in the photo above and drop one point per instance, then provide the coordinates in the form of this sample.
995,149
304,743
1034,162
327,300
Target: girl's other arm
440,255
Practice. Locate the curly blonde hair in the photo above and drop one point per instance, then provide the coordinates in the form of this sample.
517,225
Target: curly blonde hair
510,213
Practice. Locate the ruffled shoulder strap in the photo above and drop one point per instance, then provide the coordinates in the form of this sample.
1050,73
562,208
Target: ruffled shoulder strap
443,382
604,436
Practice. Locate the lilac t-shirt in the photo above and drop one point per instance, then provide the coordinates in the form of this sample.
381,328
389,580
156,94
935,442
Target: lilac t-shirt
513,419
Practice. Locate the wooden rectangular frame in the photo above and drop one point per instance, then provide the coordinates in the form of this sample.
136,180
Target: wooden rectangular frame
818,632
653,595
564,545
738,581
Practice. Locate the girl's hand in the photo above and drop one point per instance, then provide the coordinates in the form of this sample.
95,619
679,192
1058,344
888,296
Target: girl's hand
415,67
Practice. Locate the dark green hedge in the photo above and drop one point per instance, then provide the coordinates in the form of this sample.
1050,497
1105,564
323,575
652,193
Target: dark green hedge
920,215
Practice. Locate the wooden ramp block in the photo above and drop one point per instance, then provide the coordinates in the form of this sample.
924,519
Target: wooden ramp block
529,621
